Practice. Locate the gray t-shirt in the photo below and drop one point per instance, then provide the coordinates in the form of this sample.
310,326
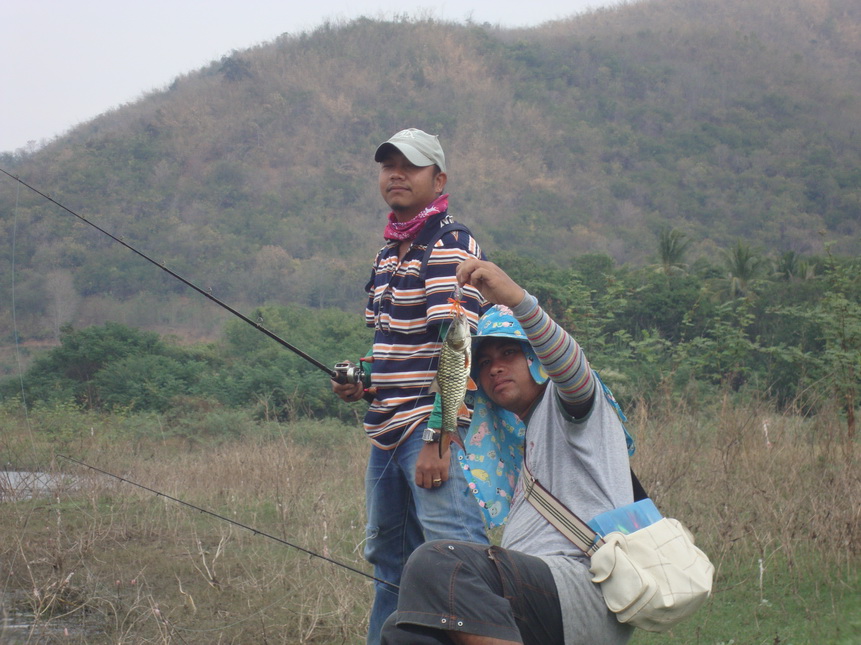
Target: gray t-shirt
584,464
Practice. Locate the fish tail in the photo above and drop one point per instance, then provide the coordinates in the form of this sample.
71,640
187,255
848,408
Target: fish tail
444,443
446,440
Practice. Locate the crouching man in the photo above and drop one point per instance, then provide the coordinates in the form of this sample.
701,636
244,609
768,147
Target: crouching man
536,588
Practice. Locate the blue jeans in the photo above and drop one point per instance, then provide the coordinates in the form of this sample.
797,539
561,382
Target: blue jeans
403,515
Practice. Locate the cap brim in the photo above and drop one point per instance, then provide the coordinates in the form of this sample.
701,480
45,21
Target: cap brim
414,156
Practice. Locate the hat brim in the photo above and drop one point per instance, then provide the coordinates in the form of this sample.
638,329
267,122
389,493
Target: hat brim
412,154
535,368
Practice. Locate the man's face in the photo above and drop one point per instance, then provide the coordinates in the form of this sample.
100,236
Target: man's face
406,188
503,374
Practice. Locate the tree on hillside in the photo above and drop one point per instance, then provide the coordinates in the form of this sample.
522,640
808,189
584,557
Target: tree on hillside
839,314
62,299
830,367
235,68
743,265
672,247
791,266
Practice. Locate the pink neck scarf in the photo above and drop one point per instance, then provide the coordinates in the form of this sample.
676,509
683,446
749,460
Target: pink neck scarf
402,231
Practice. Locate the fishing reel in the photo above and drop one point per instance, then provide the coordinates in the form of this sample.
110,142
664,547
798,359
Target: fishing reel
348,372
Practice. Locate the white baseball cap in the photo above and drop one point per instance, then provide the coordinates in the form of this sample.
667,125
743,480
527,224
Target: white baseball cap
421,148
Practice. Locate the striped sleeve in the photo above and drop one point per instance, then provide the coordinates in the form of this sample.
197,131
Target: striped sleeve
561,356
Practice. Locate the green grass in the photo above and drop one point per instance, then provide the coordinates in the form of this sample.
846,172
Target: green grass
821,605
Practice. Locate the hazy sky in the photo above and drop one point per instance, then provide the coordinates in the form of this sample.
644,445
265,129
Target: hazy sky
67,61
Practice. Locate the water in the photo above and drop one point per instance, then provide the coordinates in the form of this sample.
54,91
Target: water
20,628
16,626
19,485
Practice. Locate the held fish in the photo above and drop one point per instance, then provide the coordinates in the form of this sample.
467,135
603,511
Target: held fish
452,379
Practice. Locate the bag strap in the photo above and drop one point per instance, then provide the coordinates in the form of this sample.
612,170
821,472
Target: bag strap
559,515
442,230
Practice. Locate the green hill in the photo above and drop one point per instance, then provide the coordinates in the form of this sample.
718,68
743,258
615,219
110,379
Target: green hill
725,119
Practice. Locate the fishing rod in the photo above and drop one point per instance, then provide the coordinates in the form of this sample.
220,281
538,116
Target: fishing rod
344,372
227,519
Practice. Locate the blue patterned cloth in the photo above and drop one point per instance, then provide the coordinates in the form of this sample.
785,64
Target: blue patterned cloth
494,442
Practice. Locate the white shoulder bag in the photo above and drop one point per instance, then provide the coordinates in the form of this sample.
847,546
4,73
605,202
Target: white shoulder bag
651,578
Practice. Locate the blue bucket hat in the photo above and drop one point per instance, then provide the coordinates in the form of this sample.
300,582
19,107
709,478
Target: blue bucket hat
499,322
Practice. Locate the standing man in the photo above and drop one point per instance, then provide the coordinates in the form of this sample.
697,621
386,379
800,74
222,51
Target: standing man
412,494
536,588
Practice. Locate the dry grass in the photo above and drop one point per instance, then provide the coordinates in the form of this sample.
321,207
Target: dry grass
773,499
101,561
748,480
108,562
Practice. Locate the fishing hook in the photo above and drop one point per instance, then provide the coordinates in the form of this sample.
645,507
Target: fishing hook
338,374
227,519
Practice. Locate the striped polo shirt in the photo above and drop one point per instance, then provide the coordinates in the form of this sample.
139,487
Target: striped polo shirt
406,314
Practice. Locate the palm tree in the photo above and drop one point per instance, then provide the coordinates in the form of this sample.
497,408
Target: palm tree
743,266
672,246
790,266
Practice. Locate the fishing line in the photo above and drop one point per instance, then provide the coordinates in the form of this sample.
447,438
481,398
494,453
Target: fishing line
15,319
332,373
227,519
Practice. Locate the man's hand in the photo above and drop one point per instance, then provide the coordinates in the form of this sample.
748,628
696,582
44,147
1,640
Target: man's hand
431,469
349,392
492,282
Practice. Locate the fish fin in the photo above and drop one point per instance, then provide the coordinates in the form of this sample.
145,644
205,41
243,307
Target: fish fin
444,441
455,437
470,384
464,411
434,387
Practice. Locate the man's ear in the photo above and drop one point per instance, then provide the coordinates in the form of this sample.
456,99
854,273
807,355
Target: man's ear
439,182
